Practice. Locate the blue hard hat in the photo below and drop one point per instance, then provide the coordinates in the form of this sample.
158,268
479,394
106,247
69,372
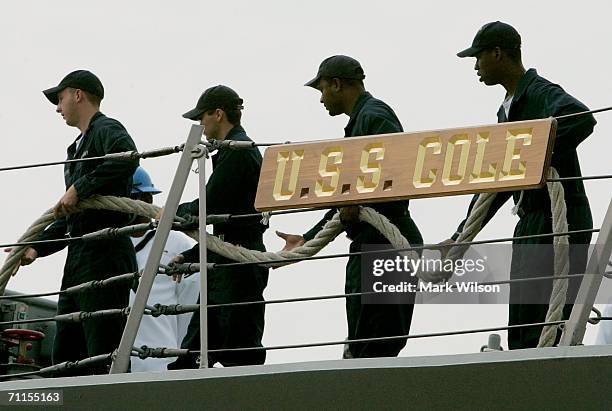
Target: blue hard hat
141,182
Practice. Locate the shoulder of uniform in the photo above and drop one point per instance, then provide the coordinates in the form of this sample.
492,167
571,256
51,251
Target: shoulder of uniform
540,83
242,137
109,125
375,105
245,154
542,89
109,122
378,112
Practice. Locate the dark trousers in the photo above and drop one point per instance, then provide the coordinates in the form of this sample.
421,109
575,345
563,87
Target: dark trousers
535,258
376,320
231,327
87,262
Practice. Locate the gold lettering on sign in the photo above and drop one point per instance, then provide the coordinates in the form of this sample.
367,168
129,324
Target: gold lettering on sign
457,140
281,159
418,180
477,175
370,168
392,167
322,189
513,153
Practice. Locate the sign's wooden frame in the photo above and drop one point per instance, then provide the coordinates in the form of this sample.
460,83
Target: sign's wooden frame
357,170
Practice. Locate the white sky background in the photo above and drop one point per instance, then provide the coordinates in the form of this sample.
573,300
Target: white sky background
155,59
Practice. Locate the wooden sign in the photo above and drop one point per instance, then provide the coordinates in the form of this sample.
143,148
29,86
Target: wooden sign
500,157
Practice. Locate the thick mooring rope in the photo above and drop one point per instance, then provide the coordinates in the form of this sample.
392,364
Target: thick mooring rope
561,248
329,232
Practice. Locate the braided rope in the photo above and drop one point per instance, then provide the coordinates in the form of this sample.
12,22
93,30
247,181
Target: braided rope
237,253
329,232
12,263
561,263
397,240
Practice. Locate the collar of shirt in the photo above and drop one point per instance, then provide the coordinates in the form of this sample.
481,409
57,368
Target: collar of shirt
361,100
234,133
79,141
524,82
93,119
506,104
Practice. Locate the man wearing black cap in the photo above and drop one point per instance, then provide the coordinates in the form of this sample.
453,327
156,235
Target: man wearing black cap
77,98
497,49
340,81
231,189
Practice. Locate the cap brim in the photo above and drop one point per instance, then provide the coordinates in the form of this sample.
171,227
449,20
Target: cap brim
470,52
314,82
195,114
52,93
137,189
146,190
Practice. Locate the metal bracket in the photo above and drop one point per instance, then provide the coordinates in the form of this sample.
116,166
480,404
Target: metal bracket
198,152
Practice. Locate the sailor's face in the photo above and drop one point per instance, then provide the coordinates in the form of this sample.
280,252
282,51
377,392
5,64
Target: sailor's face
67,106
487,66
210,124
330,96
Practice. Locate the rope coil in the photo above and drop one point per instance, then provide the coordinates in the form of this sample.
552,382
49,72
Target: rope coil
329,232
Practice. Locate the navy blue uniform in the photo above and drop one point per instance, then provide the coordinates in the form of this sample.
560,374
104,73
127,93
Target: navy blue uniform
536,98
94,260
231,188
372,116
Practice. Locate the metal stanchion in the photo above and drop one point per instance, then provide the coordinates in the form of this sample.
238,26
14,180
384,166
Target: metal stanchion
203,260
122,361
574,329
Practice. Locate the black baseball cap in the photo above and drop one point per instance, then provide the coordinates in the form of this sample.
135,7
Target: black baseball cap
340,67
81,79
494,34
215,97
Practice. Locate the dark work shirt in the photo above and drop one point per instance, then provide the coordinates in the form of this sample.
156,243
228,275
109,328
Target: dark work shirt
536,98
370,116
103,177
231,189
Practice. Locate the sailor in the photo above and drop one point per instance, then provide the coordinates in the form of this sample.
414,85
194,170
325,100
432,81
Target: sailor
497,49
340,81
77,99
166,330
231,189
